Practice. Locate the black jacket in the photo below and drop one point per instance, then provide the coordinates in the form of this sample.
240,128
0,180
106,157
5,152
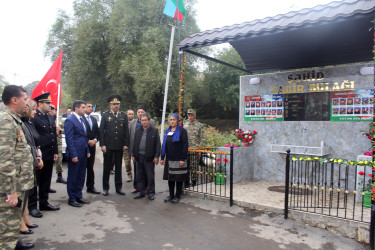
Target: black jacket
93,133
152,143
45,125
114,132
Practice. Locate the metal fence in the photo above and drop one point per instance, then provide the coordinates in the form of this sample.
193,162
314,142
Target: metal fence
330,187
209,170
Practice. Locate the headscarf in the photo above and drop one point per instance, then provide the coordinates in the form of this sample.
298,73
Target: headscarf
176,135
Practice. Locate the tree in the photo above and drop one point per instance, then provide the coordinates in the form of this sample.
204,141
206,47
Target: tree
118,46
217,95
3,83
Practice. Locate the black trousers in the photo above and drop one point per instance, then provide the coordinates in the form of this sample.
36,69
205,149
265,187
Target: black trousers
145,175
108,167
90,181
33,198
43,178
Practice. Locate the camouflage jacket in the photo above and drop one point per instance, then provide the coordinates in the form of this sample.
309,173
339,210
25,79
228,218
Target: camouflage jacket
16,159
195,133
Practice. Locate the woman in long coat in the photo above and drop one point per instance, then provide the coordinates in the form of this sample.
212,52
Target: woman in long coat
175,149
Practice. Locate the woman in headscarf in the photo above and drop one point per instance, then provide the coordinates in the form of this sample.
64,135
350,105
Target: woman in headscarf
175,149
32,136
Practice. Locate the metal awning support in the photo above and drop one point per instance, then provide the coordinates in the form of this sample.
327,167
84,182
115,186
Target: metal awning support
216,60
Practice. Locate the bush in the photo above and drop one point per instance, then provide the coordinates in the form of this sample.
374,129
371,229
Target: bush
214,138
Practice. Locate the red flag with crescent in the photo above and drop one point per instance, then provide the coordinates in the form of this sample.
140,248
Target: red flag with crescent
51,83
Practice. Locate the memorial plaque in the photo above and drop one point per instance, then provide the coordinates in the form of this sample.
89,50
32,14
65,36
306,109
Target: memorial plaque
307,106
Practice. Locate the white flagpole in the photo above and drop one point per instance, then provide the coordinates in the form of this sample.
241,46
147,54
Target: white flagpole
58,103
166,86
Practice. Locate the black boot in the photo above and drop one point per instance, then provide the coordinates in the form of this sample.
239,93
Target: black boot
22,245
60,179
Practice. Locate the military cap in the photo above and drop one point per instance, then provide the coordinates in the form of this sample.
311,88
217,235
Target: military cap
114,99
45,97
192,111
141,107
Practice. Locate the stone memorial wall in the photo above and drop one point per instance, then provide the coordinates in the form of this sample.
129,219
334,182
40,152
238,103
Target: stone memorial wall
313,124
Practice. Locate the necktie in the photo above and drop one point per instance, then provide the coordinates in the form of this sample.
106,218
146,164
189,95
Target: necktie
115,114
89,121
83,124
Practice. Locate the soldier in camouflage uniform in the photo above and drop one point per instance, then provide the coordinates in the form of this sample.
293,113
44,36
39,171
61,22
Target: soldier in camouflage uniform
195,131
127,157
16,166
59,170
59,132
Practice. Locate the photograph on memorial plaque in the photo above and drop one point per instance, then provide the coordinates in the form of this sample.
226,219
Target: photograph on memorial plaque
264,108
352,105
309,106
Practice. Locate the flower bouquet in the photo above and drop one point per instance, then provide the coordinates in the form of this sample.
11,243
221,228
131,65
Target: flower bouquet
246,137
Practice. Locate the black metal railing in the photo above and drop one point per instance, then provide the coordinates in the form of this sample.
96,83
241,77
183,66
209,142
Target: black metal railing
209,170
331,187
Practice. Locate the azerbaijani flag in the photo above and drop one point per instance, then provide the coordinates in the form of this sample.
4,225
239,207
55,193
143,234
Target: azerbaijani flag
171,10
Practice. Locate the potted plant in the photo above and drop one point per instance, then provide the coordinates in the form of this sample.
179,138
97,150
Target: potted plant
366,188
246,137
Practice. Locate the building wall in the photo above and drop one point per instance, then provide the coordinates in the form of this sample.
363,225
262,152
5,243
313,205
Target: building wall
343,139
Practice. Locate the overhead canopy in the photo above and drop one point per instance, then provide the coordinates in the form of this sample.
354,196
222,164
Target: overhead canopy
337,33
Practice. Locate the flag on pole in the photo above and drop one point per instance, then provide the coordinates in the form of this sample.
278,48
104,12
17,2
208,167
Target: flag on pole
171,10
51,83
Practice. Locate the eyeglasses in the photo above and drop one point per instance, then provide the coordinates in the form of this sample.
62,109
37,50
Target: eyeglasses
52,108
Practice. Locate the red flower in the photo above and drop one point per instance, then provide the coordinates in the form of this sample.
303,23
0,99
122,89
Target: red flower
225,160
370,175
255,132
218,160
361,173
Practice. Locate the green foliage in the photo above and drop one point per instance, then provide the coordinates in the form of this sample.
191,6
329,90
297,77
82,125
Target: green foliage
218,93
119,46
3,83
214,138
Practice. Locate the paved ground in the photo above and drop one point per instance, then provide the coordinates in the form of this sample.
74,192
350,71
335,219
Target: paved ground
117,222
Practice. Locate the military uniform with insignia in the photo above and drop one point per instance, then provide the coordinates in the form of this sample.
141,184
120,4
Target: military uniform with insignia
16,174
114,137
44,123
195,131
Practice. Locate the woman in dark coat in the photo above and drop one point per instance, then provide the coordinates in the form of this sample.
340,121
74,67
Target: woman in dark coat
175,149
32,136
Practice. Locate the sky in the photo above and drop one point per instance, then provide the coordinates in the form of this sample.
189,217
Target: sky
24,27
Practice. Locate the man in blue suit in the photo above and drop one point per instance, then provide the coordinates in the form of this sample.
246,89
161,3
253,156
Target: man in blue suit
77,152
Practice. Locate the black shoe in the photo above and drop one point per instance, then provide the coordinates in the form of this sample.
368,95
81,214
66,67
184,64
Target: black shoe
112,172
35,213
105,192
83,201
31,226
51,191
151,197
93,191
119,191
48,207
21,245
74,204
175,200
60,180
139,196
168,199
29,231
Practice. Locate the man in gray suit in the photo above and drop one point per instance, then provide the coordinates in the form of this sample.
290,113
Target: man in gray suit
133,125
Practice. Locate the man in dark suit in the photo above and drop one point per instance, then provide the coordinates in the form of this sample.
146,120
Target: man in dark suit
77,152
114,140
46,127
93,137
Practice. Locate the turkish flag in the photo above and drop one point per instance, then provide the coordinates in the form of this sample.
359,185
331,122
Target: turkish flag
51,83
